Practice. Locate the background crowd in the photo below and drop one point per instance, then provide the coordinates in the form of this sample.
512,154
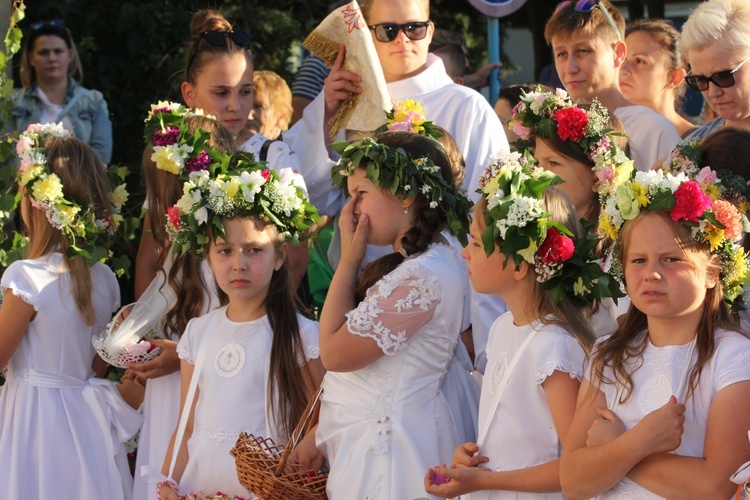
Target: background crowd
406,296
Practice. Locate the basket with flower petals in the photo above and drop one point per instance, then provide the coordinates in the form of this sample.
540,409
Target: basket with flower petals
264,469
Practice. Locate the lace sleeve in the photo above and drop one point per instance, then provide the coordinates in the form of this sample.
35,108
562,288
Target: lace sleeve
396,308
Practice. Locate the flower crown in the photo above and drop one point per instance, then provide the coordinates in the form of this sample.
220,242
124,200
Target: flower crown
406,177
711,219
250,189
409,115
515,217
549,114
175,149
89,237
687,157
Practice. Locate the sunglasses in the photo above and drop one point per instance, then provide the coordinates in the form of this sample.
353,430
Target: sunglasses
42,24
586,6
387,32
722,79
219,39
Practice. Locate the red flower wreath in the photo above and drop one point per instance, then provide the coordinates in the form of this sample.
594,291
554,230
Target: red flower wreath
571,123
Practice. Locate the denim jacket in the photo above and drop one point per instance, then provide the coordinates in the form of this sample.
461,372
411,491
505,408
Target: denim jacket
86,109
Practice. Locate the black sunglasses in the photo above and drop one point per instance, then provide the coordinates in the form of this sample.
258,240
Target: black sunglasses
387,32
42,24
219,38
722,79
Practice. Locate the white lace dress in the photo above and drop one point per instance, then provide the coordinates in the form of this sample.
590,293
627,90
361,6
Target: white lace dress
517,430
232,384
62,430
382,426
664,373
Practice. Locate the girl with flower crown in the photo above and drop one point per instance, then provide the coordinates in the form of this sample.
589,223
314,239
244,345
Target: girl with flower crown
664,407
528,247
583,144
387,338
586,147
186,280
252,364
61,429
219,80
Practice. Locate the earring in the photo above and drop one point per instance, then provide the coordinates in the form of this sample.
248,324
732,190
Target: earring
406,210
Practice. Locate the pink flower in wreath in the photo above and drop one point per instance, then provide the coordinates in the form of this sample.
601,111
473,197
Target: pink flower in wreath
516,108
174,216
265,173
728,216
556,247
690,202
605,174
521,131
571,123
404,126
706,176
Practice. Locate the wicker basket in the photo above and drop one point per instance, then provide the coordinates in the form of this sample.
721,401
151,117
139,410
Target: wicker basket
263,469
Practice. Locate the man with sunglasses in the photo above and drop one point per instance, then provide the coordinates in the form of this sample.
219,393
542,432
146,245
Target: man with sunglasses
587,42
401,32
716,44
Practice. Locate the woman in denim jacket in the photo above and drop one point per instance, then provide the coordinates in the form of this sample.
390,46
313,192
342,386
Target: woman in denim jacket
51,76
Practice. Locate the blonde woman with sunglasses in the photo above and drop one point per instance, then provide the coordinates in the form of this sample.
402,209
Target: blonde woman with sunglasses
716,45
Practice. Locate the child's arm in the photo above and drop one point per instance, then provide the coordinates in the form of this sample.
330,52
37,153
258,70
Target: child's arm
15,316
146,266
589,471
341,351
186,373
725,449
560,390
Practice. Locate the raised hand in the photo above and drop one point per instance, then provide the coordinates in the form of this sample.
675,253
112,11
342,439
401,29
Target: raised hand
339,85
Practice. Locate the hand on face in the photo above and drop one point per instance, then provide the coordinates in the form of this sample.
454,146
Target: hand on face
354,229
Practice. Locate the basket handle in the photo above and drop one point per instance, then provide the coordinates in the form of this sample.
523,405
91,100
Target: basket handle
307,422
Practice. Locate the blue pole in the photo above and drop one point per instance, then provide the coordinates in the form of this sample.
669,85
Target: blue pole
493,50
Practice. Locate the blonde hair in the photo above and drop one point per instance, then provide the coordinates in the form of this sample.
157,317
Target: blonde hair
631,338
272,88
723,22
567,314
566,22
85,182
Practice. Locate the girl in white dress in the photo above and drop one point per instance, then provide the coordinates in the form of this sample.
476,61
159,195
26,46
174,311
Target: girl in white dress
219,80
185,282
664,407
387,338
61,429
527,247
251,365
